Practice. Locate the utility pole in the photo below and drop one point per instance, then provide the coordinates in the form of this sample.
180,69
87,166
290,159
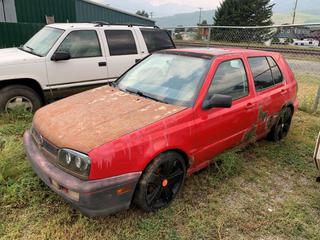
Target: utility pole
294,12
151,15
200,8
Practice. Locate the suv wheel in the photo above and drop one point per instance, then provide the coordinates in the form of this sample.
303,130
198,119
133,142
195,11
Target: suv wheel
161,182
281,129
17,97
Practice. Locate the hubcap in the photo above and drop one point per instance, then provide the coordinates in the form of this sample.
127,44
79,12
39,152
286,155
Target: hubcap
164,184
19,102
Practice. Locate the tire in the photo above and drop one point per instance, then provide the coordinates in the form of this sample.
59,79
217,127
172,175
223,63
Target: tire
18,96
281,129
161,182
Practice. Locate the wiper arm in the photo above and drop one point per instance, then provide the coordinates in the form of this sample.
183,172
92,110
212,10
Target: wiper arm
142,94
30,48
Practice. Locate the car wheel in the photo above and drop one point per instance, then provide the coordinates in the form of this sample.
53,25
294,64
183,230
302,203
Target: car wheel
16,97
281,128
161,182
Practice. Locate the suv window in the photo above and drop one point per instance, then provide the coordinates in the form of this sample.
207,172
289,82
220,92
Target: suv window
156,39
230,79
261,73
276,73
121,42
81,44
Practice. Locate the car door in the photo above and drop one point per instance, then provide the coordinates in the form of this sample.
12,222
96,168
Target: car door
221,128
270,90
123,49
86,65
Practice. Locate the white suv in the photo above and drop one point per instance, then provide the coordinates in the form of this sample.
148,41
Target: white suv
63,59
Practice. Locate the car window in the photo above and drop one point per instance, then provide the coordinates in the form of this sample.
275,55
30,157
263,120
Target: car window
276,73
261,73
230,79
121,42
156,39
81,44
169,78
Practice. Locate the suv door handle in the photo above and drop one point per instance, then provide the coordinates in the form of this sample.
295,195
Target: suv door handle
250,106
102,64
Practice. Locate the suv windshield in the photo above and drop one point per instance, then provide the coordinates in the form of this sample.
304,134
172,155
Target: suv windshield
41,43
168,78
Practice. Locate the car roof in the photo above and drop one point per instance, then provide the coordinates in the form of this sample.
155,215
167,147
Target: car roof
217,51
66,26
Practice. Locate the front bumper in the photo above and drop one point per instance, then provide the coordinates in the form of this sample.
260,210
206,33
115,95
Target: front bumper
93,198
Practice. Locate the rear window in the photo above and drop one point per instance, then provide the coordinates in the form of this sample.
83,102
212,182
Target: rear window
276,73
261,73
157,39
121,42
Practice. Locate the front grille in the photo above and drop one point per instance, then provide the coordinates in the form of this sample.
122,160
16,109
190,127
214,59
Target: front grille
43,144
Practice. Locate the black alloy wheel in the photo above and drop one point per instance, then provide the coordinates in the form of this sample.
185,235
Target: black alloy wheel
161,182
282,127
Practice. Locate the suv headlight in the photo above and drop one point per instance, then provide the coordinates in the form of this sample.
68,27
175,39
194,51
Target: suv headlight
75,162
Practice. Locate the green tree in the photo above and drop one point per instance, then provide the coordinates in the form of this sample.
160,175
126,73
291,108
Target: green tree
243,13
142,13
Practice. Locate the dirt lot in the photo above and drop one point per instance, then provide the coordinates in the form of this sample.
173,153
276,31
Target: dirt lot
265,191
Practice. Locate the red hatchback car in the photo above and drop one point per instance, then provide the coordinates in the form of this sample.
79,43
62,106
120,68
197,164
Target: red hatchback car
167,117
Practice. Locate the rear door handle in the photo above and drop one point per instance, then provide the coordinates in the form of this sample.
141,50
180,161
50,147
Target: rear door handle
283,91
250,106
102,64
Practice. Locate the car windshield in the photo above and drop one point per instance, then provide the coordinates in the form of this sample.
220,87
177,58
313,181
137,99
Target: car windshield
41,43
165,77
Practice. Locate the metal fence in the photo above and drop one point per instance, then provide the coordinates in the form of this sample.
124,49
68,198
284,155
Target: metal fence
298,43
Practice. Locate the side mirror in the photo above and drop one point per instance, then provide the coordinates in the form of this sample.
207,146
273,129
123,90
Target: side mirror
218,101
317,153
60,56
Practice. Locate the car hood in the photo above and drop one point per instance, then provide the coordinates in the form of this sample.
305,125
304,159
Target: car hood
10,56
87,120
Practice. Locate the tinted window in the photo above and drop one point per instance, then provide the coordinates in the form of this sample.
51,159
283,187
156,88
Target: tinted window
121,42
230,79
81,44
276,73
156,39
261,73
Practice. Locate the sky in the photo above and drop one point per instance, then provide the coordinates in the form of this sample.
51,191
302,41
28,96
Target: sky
162,8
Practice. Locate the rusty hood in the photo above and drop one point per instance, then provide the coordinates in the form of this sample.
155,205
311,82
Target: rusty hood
90,119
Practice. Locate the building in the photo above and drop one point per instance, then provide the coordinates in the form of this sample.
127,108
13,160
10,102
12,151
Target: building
20,19
285,33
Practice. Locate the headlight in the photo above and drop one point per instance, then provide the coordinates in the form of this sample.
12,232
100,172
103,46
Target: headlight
75,162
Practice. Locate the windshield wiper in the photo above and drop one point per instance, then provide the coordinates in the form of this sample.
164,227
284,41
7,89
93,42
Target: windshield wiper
31,50
142,94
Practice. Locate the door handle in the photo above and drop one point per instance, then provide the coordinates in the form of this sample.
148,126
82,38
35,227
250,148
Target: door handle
138,60
283,91
102,64
250,106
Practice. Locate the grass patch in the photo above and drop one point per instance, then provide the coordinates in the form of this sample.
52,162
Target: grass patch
264,191
308,88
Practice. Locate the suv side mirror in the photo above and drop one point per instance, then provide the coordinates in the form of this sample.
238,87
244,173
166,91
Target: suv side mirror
218,101
60,56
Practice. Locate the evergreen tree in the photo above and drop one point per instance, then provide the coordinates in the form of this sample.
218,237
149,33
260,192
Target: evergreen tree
143,13
243,13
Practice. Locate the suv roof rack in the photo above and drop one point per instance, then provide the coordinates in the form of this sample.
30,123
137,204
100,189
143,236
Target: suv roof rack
102,23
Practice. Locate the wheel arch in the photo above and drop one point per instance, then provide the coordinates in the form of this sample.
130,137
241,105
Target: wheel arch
28,82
